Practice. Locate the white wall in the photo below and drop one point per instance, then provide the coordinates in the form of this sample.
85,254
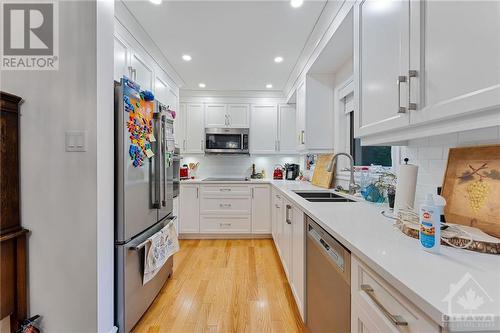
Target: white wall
431,155
236,165
66,196
105,167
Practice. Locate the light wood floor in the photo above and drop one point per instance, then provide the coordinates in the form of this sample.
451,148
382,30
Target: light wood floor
224,286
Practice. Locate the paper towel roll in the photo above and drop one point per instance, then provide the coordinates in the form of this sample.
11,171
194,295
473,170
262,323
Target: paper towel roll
406,186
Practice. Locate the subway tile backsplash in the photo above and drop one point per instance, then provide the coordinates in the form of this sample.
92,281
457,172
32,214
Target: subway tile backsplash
431,155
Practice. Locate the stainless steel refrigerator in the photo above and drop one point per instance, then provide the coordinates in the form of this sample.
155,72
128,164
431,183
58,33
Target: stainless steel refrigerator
143,197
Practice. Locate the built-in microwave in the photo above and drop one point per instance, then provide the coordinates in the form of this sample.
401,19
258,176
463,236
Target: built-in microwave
226,140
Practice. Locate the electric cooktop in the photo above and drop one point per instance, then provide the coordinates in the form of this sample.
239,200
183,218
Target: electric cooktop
225,179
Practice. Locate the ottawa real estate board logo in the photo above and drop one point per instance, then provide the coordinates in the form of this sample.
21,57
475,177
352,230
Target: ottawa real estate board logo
30,36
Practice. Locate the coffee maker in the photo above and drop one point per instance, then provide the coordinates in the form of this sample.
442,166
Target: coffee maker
291,171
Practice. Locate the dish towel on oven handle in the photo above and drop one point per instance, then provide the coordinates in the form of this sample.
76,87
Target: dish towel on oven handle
159,247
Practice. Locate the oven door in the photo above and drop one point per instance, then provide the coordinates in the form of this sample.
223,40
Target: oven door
226,141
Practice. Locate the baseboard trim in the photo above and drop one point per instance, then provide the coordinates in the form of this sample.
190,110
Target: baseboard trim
224,236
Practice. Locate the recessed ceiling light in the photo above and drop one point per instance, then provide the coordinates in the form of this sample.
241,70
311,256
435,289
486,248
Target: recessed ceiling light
186,57
269,86
202,85
278,59
296,3
156,2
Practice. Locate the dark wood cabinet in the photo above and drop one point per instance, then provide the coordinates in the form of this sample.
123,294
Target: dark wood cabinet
13,254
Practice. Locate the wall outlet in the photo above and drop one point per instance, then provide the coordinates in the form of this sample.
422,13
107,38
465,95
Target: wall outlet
76,141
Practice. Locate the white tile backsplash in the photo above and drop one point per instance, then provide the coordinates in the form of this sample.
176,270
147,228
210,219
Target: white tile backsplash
236,165
431,155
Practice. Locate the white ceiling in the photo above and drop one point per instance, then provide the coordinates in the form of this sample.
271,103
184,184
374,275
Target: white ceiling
232,43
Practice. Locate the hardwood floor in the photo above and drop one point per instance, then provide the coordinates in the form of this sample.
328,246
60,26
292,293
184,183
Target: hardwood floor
224,286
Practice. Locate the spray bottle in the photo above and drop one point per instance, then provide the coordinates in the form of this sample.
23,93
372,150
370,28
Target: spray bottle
430,223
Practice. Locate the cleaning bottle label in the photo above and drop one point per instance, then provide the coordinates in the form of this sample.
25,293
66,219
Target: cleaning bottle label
427,230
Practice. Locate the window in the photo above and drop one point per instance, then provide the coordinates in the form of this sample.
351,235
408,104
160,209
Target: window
368,155
363,155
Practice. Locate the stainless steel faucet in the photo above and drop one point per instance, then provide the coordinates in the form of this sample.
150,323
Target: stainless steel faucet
353,187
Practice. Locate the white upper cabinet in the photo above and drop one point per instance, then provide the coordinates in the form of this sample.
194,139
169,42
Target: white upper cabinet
238,115
314,103
122,58
227,115
216,115
381,60
161,90
456,56
286,129
180,127
264,129
301,116
142,71
425,68
195,130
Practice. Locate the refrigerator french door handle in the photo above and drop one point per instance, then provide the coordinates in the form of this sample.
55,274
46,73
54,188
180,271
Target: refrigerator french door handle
157,161
163,158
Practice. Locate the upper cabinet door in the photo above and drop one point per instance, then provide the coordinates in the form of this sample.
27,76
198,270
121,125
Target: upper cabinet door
263,129
381,61
456,56
195,131
238,115
216,115
287,128
142,72
122,59
180,127
161,90
301,117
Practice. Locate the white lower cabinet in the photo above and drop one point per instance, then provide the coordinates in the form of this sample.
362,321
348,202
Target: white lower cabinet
189,208
286,240
277,214
298,258
378,307
261,209
224,224
225,206
226,209
288,234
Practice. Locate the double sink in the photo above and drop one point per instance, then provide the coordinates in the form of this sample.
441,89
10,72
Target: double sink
322,197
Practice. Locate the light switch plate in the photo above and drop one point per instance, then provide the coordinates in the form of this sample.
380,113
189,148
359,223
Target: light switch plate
76,141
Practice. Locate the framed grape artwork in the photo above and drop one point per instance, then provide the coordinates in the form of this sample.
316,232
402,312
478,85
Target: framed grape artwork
472,188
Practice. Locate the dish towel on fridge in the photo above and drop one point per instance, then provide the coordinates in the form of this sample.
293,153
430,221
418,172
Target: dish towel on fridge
158,249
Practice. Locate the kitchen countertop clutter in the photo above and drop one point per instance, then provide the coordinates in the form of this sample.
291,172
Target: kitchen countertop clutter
432,282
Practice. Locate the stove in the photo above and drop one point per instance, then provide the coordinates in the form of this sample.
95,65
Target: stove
225,179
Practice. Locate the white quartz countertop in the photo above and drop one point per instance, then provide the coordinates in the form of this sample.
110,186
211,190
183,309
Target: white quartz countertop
424,278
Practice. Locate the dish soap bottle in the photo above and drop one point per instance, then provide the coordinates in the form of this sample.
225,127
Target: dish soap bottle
430,225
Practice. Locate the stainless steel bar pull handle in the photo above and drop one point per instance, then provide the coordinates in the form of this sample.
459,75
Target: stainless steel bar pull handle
411,73
401,79
396,320
157,146
288,221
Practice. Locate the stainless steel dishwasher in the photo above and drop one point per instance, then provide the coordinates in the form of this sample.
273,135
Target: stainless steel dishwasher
328,282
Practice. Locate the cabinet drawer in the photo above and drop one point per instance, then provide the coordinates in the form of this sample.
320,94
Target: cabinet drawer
225,191
385,305
226,206
225,224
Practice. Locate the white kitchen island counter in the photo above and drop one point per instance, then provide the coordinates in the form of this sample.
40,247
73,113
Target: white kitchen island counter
424,278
